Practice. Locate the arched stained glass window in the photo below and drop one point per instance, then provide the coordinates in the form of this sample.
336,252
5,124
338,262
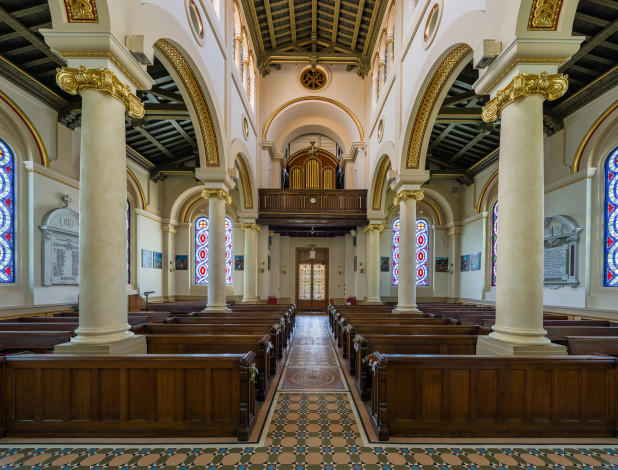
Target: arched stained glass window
201,250
611,220
422,252
128,243
228,251
7,215
494,243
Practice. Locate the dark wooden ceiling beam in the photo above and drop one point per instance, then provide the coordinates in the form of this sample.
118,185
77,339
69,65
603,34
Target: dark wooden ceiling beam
606,3
184,134
155,142
591,19
42,8
468,146
336,21
29,36
164,93
359,17
269,19
459,98
604,34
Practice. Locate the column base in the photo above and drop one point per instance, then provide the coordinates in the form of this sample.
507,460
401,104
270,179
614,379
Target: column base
251,300
217,309
487,346
136,344
372,302
406,309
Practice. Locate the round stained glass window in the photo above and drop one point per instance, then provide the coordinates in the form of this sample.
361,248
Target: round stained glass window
313,79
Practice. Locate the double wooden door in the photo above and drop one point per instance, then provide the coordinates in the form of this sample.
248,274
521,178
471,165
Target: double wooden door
311,279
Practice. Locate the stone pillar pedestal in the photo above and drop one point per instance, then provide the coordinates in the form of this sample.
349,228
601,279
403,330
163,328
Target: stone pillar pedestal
519,291
373,231
250,288
406,289
217,198
103,326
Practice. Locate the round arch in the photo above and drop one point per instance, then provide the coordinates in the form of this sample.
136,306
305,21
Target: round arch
379,188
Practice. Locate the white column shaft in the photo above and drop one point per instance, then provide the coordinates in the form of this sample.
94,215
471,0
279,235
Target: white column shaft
237,52
373,266
407,256
519,290
102,222
216,253
250,274
454,257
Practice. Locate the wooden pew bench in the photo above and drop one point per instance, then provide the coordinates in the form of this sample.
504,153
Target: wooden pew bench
129,396
480,396
559,334
34,341
583,345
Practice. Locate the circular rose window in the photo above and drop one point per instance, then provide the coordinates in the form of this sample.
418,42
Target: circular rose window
313,79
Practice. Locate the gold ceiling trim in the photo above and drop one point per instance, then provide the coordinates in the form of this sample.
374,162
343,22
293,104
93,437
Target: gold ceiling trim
247,190
484,190
107,55
139,187
31,127
544,15
198,100
524,60
313,98
81,11
428,103
380,181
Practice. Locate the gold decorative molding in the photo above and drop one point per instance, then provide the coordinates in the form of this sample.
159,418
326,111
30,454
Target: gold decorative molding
169,229
453,232
372,227
524,60
74,80
429,101
245,182
406,194
524,84
81,11
137,184
380,181
484,191
313,98
250,226
32,167
544,15
196,95
208,193
107,55
31,127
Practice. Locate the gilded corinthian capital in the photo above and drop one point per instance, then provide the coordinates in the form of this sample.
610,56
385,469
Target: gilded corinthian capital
372,227
524,84
74,80
208,193
250,226
408,194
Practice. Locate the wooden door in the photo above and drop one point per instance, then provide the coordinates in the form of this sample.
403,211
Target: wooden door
311,279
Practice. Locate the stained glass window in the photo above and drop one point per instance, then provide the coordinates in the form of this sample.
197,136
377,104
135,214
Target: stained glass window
422,252
611,220
304,281
319,282
494,243
128,243
7,215
228,251
201,250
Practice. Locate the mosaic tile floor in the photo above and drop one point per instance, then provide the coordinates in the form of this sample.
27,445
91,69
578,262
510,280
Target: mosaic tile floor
316,427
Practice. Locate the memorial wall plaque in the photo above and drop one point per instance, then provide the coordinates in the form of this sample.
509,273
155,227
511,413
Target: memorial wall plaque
560,260
60,246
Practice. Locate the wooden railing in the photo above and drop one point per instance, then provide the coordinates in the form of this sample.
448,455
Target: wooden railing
352,202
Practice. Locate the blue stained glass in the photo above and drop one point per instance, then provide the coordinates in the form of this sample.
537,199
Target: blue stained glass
201,250
494,243
611,220
7,215
422,253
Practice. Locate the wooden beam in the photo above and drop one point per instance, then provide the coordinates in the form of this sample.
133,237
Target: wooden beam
336,21
448,129
591,19
155,142
314,25
594,42
29,36
183,133
359,16
468,146
460,98
29,11
606,3
269,19
163,93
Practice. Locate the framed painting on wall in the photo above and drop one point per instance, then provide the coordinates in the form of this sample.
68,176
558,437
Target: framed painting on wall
465,263
157,260
384,264
182,262
441,265
475,261
146,258
239,263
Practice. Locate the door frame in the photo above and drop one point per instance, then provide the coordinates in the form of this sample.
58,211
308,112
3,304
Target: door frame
296,262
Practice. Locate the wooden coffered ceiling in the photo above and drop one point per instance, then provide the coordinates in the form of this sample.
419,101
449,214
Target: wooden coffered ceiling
314,31
462,145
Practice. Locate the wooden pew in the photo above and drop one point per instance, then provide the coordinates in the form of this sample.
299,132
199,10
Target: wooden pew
480,396
583,345
129,396
132,320
559,334
216,343
38,326
34,341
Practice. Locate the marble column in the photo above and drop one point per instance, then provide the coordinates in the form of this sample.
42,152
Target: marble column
375,88
406,290
245,73
217,198
250,274
373,231
103,326
237,49
169,267
252,88
519,291
454,235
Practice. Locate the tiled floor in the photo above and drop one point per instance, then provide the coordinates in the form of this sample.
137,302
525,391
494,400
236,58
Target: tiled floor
315,427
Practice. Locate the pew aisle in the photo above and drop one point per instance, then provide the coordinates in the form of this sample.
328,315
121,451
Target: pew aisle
315,424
